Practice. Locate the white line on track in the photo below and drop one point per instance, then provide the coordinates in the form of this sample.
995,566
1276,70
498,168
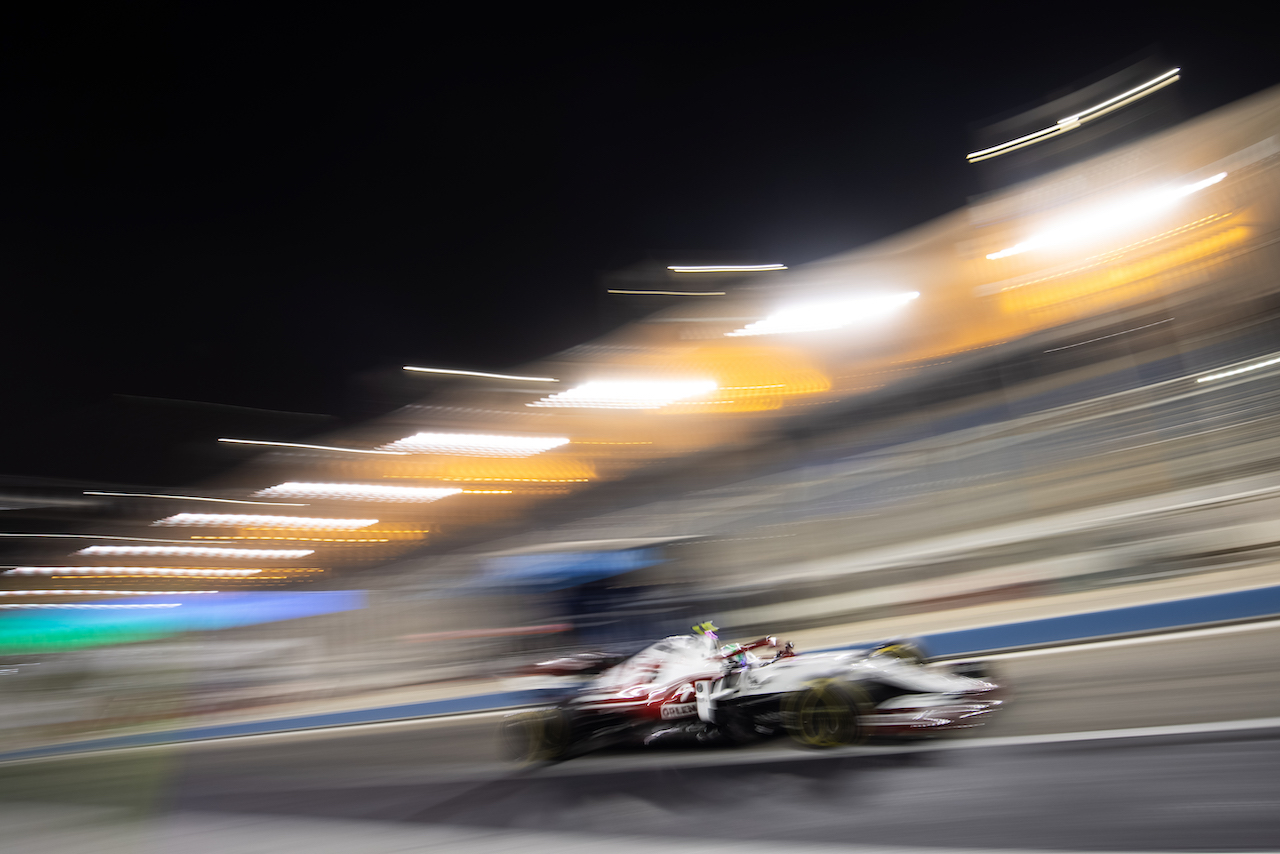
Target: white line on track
1110,734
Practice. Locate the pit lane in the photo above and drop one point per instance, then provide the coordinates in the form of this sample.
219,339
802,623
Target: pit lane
1194,790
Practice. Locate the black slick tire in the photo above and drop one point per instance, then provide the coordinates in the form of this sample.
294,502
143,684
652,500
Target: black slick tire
827,713
540,735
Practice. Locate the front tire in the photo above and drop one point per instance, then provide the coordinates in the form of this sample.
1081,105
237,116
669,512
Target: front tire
826,714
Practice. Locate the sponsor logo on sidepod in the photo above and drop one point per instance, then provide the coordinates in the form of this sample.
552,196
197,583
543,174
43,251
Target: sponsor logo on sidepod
679,710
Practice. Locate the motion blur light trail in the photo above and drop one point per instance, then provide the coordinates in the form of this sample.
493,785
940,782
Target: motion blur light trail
306,447
174,571
1222,375
727,268
66,629
101,592
85,606
669,293
1128,213
360,492
481,374
820,317
1072,122
627,394
475,445
196,551
211,520
192,498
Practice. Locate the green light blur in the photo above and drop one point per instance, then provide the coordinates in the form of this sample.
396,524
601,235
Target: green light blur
26,632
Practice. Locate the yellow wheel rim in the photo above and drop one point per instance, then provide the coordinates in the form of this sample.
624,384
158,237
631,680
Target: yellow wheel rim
534,736
823,715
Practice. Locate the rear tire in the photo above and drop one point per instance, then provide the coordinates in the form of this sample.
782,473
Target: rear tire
542,735
826,714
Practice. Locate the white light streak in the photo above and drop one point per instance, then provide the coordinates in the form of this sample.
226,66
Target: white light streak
88,606
476,444
210,520
670,293
628,394
1234,371
816,317
1153,85
1112,335
194,498
1124,214
360,492
299,445
197,551
1020,142
1098,109
727,268
89,537
159,571
482,374
104,592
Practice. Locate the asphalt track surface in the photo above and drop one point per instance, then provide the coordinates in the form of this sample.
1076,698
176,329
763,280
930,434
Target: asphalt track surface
1016,784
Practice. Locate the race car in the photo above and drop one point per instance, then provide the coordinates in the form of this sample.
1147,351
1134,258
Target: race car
693,688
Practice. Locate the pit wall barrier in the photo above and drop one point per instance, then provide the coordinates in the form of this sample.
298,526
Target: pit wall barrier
1092,625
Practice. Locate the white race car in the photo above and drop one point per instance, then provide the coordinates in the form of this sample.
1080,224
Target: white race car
693,687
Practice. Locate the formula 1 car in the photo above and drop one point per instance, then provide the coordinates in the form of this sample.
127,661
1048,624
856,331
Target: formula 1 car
692,688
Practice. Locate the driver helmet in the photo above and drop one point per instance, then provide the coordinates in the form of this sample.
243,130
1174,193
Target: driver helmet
707,629
734,654
706,632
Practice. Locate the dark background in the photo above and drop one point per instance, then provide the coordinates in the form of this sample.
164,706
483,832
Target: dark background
252,210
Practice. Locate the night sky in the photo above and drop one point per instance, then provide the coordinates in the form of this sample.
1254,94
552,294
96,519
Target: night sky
278,210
